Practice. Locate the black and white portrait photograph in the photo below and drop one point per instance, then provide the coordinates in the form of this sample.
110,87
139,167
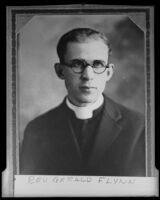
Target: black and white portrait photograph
80,93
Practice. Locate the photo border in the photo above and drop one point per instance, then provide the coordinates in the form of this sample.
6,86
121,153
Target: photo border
12,68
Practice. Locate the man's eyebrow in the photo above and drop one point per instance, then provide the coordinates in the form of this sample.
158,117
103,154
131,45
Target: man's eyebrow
77,59
81,59
99,60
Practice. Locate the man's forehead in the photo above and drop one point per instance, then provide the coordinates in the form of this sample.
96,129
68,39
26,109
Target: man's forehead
88,44
87,41
93,49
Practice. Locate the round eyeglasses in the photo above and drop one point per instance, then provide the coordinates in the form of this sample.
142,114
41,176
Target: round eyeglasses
79,65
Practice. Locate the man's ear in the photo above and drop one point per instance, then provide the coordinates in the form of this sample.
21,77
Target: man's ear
110,71
59,70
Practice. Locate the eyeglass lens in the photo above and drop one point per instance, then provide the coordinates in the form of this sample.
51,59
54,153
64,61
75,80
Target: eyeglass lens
78,65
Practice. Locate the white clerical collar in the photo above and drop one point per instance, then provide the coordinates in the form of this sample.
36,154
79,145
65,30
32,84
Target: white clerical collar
85,112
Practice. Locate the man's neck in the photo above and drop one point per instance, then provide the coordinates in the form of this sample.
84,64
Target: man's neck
85,112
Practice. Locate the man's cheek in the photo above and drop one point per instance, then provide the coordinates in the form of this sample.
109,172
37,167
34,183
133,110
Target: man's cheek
101,83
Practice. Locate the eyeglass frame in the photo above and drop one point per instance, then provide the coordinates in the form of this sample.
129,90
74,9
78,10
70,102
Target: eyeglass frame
86,65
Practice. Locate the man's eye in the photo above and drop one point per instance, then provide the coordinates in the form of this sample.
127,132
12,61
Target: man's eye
98,64
77,63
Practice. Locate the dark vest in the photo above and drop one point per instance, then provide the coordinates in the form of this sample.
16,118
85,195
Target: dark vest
85,130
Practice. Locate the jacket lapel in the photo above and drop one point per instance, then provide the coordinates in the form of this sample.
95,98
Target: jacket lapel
107,132
70,143
74,141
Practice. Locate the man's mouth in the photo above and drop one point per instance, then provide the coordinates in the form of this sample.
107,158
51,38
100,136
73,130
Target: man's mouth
87,88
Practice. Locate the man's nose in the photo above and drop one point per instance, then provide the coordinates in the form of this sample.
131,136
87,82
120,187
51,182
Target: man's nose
88,73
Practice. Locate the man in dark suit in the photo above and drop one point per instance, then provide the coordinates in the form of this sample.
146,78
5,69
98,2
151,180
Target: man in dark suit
88,134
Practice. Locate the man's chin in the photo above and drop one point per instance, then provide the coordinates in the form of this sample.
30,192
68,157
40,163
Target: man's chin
87,100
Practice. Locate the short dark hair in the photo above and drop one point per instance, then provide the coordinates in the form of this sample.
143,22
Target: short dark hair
79,35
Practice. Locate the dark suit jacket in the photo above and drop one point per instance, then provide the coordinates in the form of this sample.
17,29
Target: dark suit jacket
51,148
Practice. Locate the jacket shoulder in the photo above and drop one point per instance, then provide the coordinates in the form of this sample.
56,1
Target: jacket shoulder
45,120
133,114
124,111
126,117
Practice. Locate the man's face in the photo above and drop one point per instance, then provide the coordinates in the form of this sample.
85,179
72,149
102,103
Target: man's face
85,88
